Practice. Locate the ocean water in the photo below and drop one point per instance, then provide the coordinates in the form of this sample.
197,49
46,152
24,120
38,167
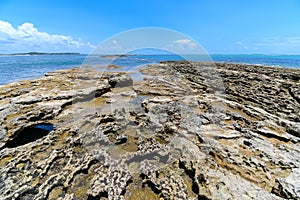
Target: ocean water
287,61
15,68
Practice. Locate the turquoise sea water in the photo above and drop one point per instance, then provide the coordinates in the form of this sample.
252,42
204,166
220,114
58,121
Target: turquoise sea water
14,68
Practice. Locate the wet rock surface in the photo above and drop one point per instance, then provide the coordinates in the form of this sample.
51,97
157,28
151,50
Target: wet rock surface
187,131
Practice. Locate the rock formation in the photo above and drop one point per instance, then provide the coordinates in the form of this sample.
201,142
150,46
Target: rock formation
187,131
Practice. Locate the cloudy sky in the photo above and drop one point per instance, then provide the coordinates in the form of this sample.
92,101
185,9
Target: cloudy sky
233,26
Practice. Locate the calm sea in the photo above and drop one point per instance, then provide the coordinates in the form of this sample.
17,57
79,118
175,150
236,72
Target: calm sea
15,68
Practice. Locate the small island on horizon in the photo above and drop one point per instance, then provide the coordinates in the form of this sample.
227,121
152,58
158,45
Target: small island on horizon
39,53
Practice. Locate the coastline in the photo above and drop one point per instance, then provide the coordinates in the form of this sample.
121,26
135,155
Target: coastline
188,129
26,67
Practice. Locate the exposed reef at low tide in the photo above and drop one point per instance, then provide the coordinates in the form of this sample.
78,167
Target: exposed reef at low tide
187,131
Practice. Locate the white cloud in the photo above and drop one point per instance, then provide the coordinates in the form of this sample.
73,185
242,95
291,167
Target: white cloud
272,45
186,43
183,46
241,44
27,38
280,45
281,41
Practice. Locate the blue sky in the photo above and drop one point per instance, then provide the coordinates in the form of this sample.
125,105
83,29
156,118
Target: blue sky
220,26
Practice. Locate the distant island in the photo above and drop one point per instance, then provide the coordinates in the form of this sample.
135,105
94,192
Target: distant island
114,56
37,53
188,130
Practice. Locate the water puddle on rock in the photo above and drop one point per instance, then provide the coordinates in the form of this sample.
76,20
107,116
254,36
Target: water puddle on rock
29,134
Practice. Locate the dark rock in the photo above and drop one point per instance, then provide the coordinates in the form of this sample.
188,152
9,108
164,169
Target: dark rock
120,80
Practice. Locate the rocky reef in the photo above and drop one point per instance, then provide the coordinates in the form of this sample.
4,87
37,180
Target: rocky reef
186,131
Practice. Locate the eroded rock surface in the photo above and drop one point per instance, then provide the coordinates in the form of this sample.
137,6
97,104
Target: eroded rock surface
187,131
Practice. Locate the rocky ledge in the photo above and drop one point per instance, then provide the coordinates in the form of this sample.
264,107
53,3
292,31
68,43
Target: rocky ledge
187,131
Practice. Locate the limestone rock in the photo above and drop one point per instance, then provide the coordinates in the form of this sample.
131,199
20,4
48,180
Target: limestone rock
187,131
